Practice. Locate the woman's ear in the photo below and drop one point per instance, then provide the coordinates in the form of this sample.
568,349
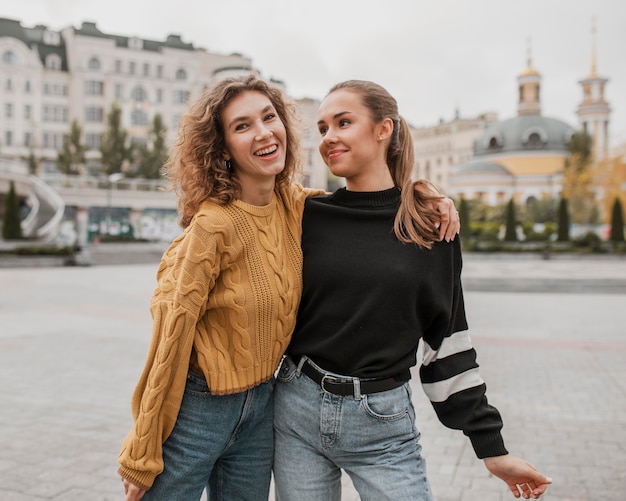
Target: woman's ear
385,129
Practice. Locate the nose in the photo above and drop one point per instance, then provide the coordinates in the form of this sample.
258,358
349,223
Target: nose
329,136
264,132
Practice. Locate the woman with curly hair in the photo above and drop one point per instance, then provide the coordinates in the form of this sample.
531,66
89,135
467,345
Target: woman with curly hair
226,302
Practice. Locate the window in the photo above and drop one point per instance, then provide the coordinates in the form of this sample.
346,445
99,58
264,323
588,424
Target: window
175,120
94,88
52,140
159,95
534,138
94,64
8,110
131,67
55,89
146,70
159,71
119,91
139,141
93,141
8,138
93,114
28,112
9,85
181,96
139,117
53,62
118,66
27,86
28,139
9,57
138,94
494,142
55,114
181,74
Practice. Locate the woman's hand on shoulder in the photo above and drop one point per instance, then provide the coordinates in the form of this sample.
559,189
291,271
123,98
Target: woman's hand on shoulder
449,224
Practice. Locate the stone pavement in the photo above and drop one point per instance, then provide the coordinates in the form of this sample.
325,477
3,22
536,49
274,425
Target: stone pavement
551,341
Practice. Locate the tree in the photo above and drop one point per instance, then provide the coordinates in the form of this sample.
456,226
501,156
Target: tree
464,219
578,177
12,225
114,147
71,158
510,235
33,164
617,222
153,155
563,233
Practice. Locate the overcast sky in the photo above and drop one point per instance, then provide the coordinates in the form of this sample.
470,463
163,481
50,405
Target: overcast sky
434,56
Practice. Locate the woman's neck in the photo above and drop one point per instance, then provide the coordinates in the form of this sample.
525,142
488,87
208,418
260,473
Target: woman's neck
378,181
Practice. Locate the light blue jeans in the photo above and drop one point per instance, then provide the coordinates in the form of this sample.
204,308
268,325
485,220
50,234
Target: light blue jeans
223,443
372,438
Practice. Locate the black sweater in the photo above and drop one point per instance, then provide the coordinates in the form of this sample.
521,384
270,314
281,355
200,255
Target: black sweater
368,299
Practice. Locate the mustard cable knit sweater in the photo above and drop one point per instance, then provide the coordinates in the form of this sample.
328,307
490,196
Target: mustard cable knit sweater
226,303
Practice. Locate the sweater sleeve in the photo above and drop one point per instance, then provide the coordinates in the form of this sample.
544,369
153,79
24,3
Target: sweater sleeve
451,379
186,274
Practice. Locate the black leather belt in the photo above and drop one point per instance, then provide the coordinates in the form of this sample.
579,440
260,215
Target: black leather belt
344,386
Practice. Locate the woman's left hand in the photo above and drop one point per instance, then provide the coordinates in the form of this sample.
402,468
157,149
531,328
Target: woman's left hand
522,477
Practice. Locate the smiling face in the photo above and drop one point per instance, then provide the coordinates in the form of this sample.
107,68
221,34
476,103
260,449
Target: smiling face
352,145
256,140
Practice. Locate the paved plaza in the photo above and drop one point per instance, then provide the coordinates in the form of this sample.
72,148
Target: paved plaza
551,341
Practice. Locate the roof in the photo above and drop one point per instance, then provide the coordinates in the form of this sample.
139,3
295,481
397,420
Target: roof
531,132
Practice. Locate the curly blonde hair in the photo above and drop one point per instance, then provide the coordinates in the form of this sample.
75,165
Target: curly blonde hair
196,167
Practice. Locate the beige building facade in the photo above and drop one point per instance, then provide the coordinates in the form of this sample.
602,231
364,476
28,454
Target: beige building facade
50,78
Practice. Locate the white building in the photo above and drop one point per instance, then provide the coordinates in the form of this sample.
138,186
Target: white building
439,148
50,78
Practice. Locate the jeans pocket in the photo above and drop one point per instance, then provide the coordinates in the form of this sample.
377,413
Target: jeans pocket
287,370
388,405
196,384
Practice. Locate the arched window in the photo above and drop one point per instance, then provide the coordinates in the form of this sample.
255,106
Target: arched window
534,138
181,74
9,57
139,94
494,143
94,64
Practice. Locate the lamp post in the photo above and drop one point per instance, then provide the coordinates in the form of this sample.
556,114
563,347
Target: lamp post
112,178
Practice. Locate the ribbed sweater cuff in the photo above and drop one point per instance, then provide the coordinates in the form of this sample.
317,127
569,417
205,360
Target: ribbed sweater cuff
488,444
142,479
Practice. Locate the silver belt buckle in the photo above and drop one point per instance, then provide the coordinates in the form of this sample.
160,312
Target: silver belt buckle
332,379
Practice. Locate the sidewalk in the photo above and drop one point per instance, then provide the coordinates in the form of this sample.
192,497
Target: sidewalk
73,341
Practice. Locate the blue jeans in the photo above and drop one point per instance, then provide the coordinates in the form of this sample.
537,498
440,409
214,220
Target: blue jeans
372,438
224,443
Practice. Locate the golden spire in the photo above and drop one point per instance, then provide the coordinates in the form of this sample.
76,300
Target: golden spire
529,62
593,48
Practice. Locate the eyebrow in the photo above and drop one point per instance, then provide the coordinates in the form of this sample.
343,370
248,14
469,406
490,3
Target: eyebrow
335,116
244,118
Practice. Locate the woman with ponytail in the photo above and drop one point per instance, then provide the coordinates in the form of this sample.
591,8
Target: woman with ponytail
378,279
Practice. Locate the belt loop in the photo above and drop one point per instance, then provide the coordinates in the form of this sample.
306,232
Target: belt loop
357,388
302,361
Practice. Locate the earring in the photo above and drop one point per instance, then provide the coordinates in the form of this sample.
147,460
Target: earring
228,165
380,138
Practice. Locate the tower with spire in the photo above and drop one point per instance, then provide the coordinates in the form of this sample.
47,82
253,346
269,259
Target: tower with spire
593,111
529,82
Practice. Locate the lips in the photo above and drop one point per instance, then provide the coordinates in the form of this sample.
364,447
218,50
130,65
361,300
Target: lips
266,151
334,154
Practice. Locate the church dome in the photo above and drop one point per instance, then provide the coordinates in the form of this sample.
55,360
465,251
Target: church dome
524,133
